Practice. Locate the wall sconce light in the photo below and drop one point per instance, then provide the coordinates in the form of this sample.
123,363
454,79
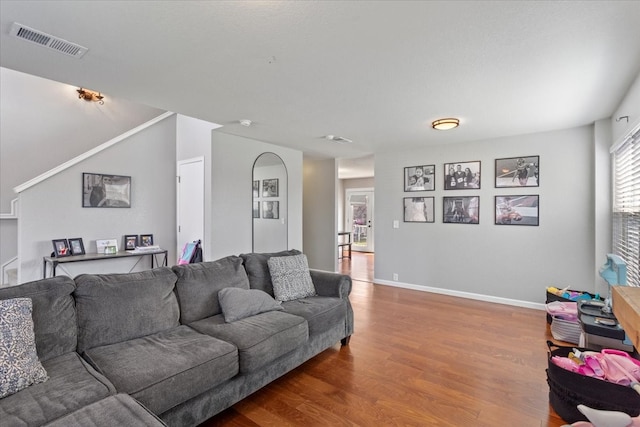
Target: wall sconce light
90,95
445,124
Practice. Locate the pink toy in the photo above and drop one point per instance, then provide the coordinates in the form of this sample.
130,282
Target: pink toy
605,419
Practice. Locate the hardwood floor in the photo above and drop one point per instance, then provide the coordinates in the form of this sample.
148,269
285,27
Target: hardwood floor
415,359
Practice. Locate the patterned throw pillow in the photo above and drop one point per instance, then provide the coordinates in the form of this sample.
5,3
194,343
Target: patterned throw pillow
290,277
19,364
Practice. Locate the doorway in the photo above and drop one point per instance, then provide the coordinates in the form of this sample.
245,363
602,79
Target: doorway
190,201
359,218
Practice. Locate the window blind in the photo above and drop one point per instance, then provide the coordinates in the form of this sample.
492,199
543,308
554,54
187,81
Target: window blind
626,205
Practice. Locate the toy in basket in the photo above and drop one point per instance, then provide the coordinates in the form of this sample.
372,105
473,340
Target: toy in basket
564,321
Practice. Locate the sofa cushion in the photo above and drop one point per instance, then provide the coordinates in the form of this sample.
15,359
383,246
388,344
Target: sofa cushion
261,338
239,303
19,364
166,368
118,410
290,277
72,384
198,285
118,307
54,314
321,313
258,271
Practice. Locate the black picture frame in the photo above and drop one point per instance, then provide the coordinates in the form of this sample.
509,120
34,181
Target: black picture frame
130,242
76,246
420,178
61,248
521,209
270,187
256,209
271,210
461,210
522,171
146,240
462,175
106,191
256,189
419,209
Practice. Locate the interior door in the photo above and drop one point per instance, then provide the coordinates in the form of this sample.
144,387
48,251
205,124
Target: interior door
190,199
360,219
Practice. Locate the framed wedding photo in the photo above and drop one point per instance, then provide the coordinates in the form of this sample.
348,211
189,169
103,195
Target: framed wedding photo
518,172
270,187
106,191
61,248
462,176
517,210
420,178
76,245
130,242
418,209
461,210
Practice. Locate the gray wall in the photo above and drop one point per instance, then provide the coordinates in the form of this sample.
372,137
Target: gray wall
52,209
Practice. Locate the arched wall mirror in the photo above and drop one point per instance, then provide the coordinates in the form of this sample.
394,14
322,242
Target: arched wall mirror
270,203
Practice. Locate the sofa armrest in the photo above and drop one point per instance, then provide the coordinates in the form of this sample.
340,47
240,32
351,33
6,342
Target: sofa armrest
329,284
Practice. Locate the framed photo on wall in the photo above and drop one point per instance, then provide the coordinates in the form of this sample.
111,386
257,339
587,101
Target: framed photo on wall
517,210
420,178
518,172
418,209
76,245
256,189
271,210
270,187
61,248
106,191
462,176
256,209
461,210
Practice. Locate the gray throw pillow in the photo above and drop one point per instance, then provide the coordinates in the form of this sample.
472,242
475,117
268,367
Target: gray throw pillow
19,364
238,303
291,278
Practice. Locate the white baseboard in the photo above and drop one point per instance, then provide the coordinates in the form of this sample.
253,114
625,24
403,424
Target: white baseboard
461,294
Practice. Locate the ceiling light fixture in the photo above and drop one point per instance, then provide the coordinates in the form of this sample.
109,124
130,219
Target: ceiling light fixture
337,139
90,95
245,122
445,124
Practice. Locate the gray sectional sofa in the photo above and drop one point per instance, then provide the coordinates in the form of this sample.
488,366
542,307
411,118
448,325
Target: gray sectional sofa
163,347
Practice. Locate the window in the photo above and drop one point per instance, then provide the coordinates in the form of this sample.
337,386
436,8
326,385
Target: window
626,204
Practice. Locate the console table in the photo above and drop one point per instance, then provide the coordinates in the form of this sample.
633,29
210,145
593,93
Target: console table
342,244
54,261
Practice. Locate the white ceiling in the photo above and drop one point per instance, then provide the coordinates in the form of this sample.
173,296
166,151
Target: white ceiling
375,72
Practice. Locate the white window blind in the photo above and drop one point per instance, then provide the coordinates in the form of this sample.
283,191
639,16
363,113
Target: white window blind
626,205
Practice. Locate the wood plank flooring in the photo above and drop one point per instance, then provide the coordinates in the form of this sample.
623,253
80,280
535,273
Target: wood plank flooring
415,359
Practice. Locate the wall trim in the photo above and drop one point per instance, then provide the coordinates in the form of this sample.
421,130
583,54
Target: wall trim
13,214
20,188
461,294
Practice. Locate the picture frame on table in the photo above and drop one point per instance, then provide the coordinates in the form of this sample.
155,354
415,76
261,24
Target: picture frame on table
517,210
418,209
106,191
270,187
146,240
76,245
130,242
61,248
461,210
420,178
462,175
520,171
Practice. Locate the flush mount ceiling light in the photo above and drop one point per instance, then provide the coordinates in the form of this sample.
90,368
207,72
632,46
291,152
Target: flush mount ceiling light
90,95
245,122
337,139
445,124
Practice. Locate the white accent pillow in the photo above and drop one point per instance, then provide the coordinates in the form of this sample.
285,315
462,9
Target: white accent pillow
19,363
290,277
238,303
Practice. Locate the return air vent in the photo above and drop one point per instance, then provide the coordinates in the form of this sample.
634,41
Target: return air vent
47,40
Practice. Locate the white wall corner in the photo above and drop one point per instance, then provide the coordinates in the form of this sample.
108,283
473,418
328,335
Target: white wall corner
13,214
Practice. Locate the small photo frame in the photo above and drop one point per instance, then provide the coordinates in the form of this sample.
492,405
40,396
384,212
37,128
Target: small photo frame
61,248
256,209
517,210
518,172
461,210
271,210
146,240
418,209
256,189
420,178
106,191
462,176
130,242
77,246
270,187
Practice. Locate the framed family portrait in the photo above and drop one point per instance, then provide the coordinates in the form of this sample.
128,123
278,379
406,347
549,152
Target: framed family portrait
256,189
271,210
130,242
518,172
462,176
106,191
61,248
517,210
270,187
418,209
461,210
76,246
256,209
419,178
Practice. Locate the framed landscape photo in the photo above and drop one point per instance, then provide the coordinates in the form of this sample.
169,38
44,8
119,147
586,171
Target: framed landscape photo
420,178
256,189
256,209
61,248
106,191
517,210
461,210
271,210
130,242
270,187
418,209
76,246
146,240
518,172
462,176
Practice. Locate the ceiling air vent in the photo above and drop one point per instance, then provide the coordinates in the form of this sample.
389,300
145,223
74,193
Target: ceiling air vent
47,40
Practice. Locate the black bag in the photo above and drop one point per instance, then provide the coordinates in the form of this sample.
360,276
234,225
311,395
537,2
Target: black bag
197,253
568,389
